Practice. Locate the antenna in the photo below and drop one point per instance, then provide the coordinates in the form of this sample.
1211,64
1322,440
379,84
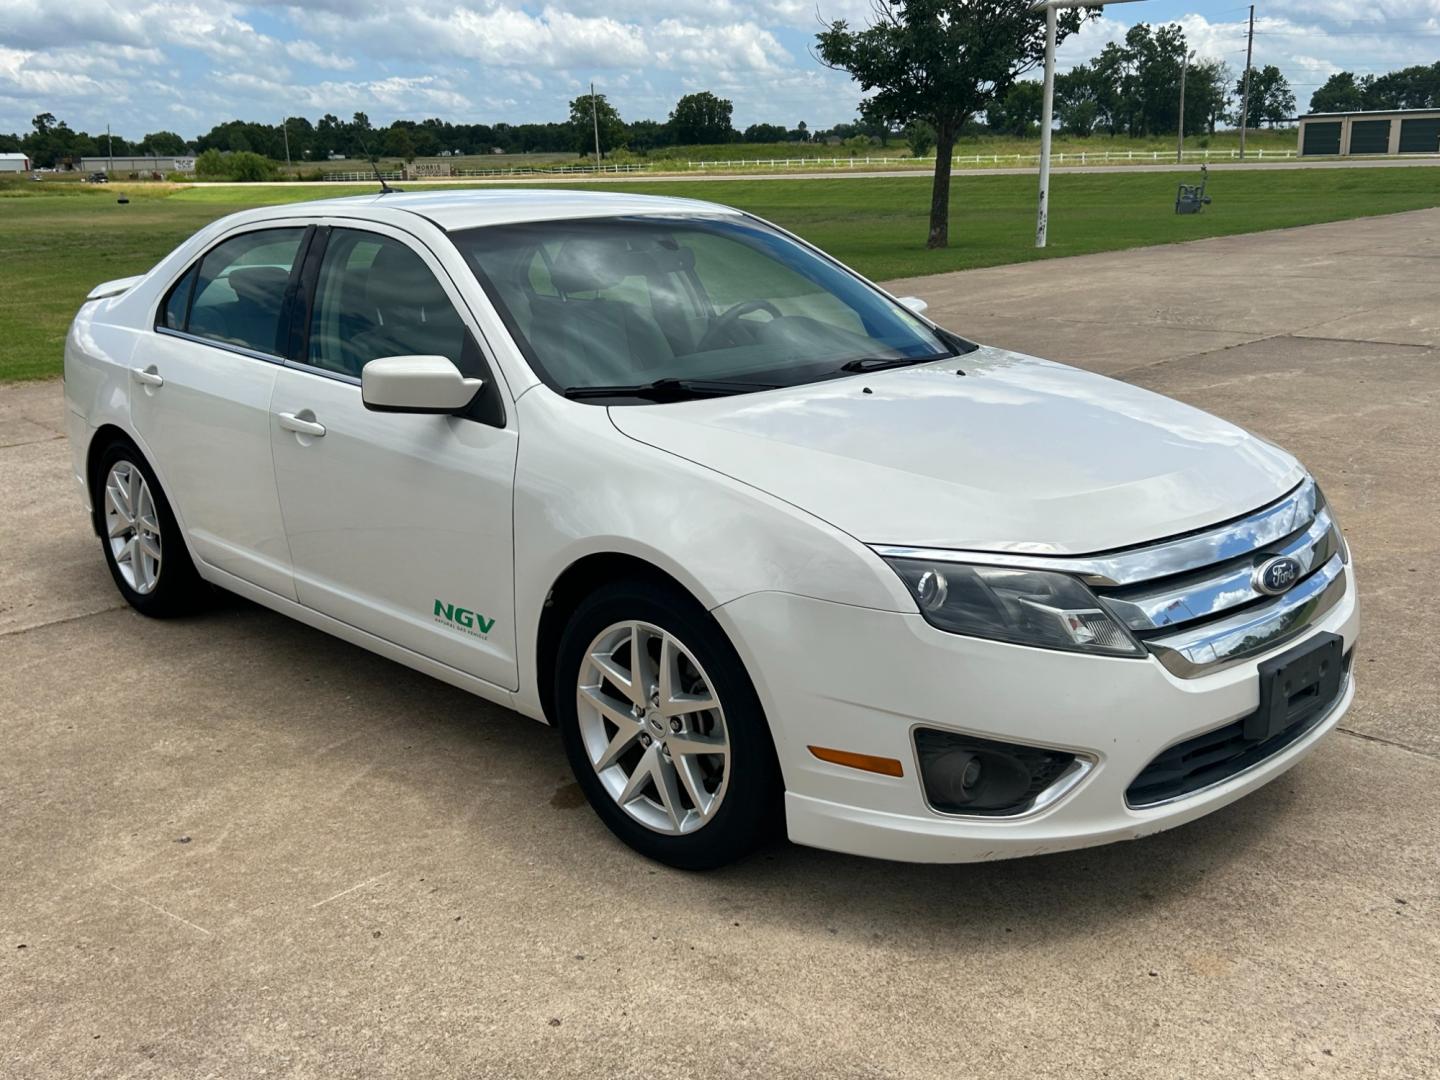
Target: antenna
385,189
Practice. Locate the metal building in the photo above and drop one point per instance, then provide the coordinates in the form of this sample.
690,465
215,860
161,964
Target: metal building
122,164
1393,131
14,163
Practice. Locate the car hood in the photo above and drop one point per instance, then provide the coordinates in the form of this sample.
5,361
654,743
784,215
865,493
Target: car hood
1016,455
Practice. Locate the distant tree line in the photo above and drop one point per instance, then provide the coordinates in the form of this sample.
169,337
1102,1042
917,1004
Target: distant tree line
697,119
1132,88
1409,88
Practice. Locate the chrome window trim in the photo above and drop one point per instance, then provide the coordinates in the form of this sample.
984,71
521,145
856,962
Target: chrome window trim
1131,566
240,350
1220,644
1230,585
311,369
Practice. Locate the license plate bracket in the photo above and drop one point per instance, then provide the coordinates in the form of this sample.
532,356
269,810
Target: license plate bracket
1296,683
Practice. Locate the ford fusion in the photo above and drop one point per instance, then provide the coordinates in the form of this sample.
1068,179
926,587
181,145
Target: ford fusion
774,552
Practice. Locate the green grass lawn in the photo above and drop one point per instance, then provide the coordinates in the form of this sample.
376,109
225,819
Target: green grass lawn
57,244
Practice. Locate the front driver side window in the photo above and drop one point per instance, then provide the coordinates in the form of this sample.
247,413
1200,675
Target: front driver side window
376,297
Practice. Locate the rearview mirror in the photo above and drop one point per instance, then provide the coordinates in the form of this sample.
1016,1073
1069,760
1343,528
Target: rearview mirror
915,304
416,384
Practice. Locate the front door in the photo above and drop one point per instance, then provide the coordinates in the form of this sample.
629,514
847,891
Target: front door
399,524
200,392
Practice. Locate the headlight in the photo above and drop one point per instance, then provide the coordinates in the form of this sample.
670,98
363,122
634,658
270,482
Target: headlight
1025,607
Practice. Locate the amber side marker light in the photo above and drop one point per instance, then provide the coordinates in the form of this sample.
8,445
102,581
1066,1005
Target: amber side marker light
885,766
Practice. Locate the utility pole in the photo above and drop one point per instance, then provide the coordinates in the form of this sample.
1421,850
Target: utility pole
595,120
1245,97
1180,147
285,131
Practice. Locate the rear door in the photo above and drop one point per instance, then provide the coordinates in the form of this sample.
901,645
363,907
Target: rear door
200,399
398,524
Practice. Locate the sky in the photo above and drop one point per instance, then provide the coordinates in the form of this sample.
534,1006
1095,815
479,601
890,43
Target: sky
185,65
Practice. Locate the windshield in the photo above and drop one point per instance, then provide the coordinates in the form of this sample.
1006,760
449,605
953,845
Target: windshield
721,303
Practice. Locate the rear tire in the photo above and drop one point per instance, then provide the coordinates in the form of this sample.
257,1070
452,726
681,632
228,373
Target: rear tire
141,539
678,763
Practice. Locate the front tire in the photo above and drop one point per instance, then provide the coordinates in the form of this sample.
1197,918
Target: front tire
663,729
141,539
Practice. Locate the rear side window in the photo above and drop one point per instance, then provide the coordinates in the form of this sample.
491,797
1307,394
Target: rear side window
236,292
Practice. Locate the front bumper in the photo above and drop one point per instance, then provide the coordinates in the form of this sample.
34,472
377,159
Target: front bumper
862,680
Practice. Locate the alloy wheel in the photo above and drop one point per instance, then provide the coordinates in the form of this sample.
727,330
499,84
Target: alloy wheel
132,527
653,727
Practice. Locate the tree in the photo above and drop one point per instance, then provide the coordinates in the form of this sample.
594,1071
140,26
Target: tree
399,144
920,137
700,119
43,123
765,133
642,136
1341,93
1207,95
1271,99
583,124
1077,100
1409,88
162,144
1018,112
941,61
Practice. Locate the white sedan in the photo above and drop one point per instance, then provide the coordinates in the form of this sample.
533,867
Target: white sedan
773,551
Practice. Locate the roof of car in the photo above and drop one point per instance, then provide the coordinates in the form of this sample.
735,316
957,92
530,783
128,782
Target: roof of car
468,208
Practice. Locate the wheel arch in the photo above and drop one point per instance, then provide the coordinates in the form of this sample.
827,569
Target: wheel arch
577,581
101,439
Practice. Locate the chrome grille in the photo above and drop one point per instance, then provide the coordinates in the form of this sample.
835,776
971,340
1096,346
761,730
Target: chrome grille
1193,601
1195,619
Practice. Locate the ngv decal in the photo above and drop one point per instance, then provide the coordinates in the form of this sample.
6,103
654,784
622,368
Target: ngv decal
462,619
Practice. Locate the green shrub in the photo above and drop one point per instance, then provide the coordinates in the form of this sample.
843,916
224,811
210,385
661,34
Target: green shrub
242,165
210,164
250,167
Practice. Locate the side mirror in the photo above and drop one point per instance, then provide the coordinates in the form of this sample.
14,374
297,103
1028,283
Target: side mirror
416,384
915,304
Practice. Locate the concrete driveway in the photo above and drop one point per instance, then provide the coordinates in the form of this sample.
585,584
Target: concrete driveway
232,846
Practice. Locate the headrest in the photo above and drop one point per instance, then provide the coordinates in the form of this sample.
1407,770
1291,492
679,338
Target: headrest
588,265
592,264
400,286
259,284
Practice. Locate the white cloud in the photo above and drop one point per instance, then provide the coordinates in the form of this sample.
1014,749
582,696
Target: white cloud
307,52
148,63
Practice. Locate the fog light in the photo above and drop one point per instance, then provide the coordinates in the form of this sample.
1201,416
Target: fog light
963,774
976,780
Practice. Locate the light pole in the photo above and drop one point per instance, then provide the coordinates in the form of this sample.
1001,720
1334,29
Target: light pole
1047,111
595,120
1180,146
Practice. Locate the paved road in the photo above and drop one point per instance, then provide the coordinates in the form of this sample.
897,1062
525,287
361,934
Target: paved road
234,847
858,174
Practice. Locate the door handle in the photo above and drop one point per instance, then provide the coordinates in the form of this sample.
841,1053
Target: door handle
149,376
301,425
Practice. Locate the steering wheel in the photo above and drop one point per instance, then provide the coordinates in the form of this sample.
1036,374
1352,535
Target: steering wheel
720,329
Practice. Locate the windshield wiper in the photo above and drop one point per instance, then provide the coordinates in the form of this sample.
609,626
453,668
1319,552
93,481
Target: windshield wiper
669,389
880,363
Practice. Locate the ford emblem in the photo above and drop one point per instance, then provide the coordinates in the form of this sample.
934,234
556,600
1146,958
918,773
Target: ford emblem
1277,575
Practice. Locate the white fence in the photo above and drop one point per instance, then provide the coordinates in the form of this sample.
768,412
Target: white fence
960,161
